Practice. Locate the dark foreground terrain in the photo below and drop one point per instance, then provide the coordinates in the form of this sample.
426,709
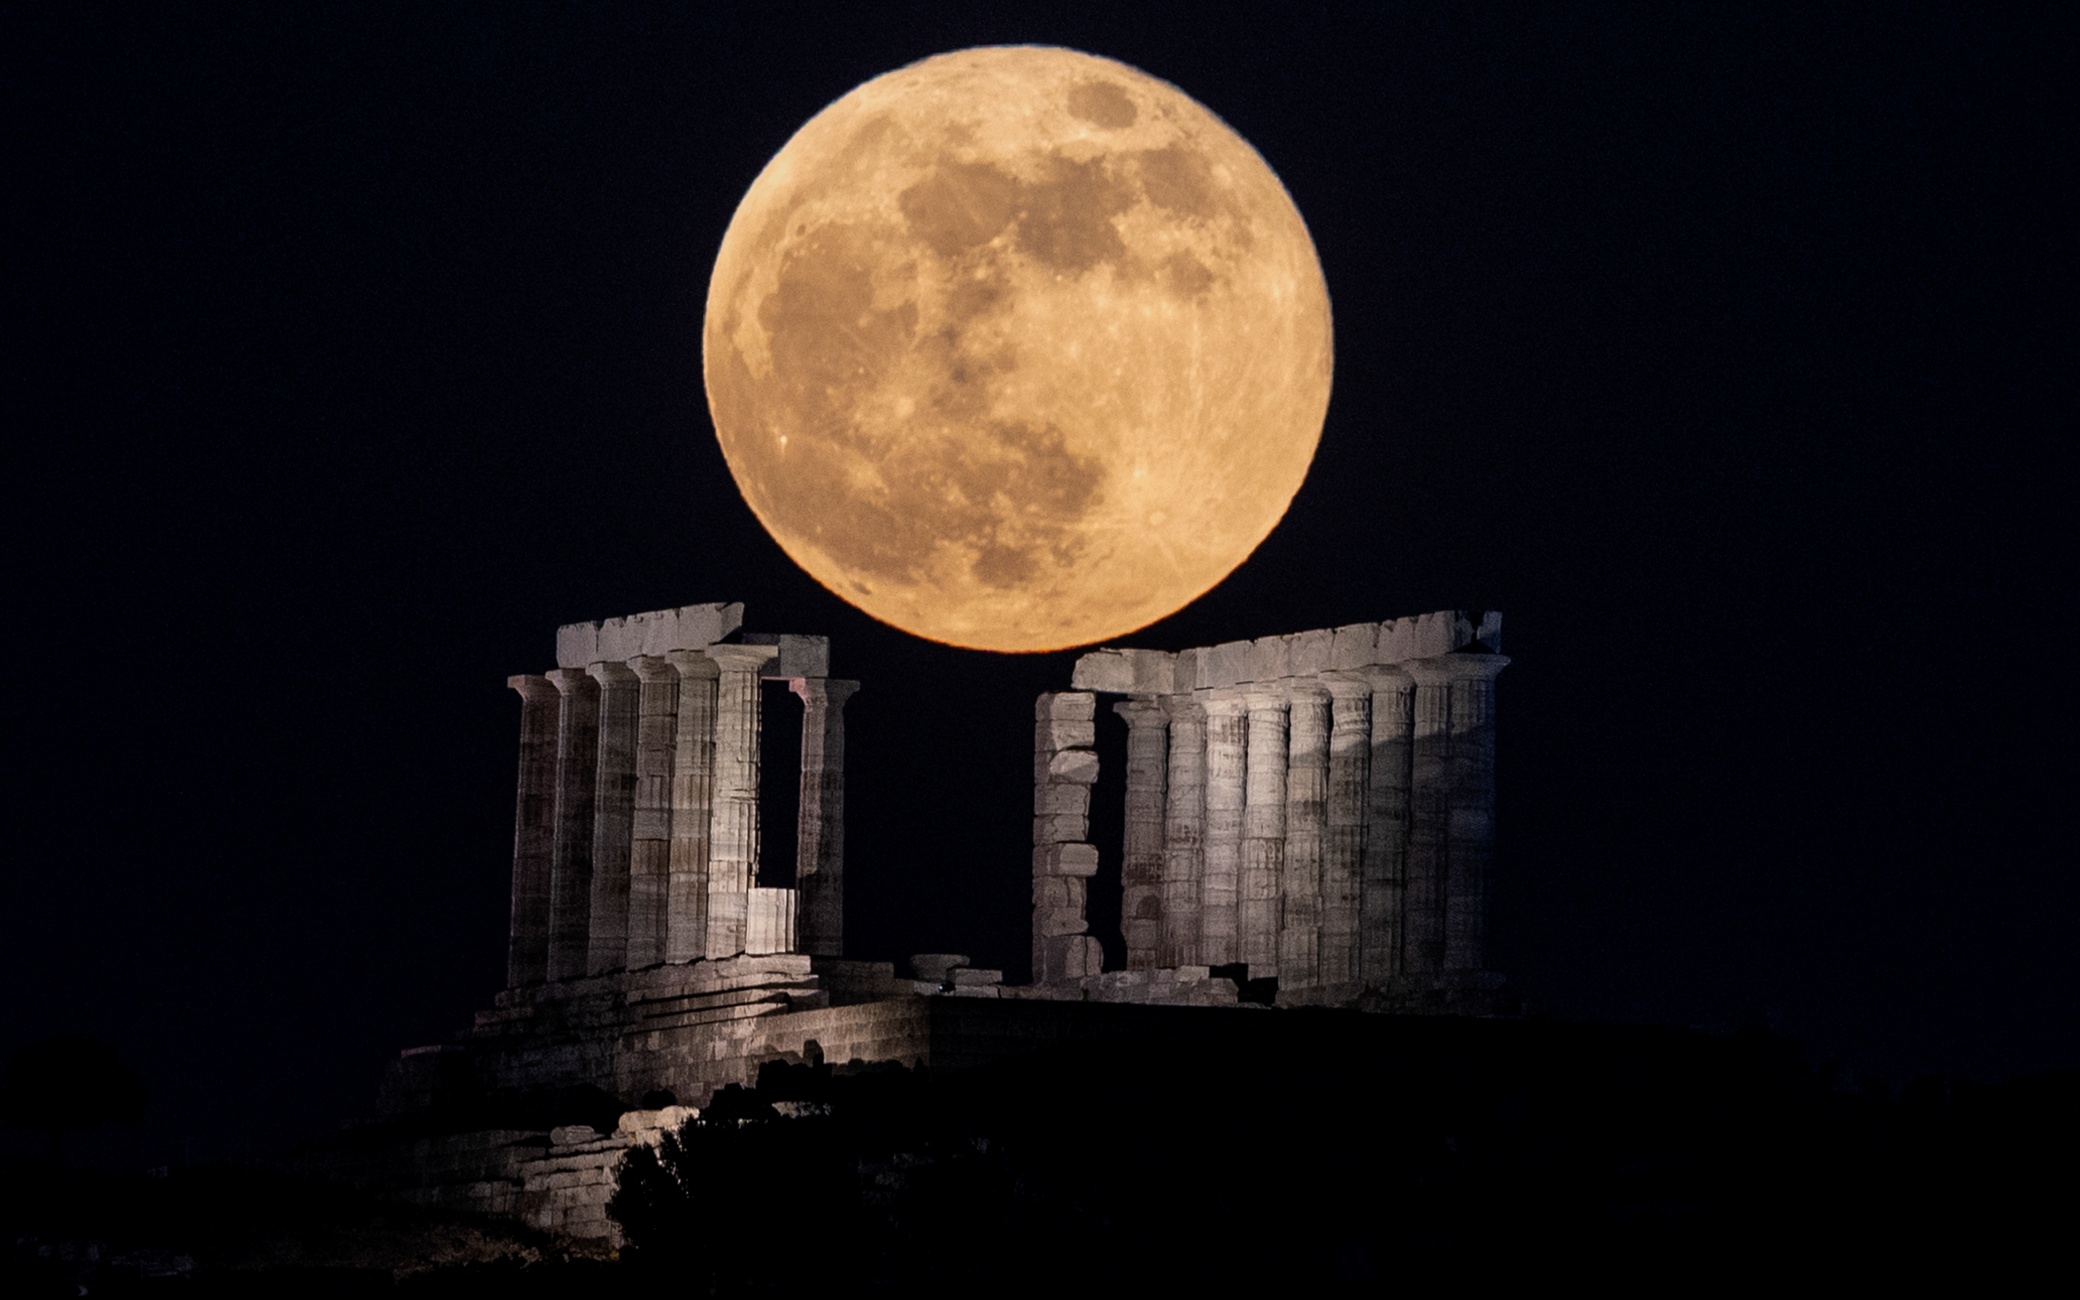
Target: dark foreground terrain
1306,1153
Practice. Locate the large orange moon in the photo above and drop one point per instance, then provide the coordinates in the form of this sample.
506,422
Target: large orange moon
1018,348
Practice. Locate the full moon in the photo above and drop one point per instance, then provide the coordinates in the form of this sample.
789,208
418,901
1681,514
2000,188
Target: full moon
1017,348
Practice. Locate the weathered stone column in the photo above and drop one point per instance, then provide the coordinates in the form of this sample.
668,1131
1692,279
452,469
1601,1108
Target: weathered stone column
1430,820
1141,858
613,815
1306,826
1227,756
570,865
1471,853
1350,755
820,828
1263,830
1065,765
1383,870
733,833
1184,829
693,791
534,831
650,854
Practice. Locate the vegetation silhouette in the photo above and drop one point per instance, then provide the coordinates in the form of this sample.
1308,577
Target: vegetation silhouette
1319,1153
1305,1153
69,1083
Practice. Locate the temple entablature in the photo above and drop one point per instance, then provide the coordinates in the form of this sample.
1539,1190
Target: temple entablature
1354,647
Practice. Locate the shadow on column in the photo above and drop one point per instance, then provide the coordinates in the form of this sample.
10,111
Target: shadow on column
780,784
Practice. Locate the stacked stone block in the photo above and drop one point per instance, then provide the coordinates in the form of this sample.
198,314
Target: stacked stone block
1065,763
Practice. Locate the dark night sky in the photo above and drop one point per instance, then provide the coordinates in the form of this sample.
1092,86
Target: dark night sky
352,349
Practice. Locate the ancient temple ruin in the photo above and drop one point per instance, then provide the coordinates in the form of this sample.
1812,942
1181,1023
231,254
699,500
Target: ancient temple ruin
1309,820
637,830
1316,810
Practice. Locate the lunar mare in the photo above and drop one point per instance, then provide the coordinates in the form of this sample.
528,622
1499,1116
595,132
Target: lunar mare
1017,348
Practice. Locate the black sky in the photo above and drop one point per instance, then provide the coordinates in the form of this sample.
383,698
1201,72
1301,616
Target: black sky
1728,351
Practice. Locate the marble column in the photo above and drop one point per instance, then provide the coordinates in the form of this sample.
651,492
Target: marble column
820,828
1300,914
570,867
1471,853
650,853
1263,830
1383,870
613,815
1227,756
1184,829
1429,820
733,827
1343,845
693,791
1141,857
534,831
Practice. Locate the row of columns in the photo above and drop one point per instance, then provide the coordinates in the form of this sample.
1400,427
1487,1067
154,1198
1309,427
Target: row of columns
1331,831
636,829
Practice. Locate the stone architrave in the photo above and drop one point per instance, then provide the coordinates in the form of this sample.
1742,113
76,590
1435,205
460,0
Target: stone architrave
1383,869
1300,924
693,789
1227,756
1343,844
820,833
1263,830
534,831
1429,821
1141,858
613,815
1184,828
570,868
650,854
1471,854
733,841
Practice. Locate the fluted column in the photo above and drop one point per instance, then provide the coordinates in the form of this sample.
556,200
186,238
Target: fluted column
1383,870
1263,830
613,815
649,861
534,831
733,833
1184,829
1306,827
693,791
1430,820
570,867
820,833
1141,858
1343,845
1471,853
1227,757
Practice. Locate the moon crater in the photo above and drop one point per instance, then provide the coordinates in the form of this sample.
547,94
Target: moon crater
1017,348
